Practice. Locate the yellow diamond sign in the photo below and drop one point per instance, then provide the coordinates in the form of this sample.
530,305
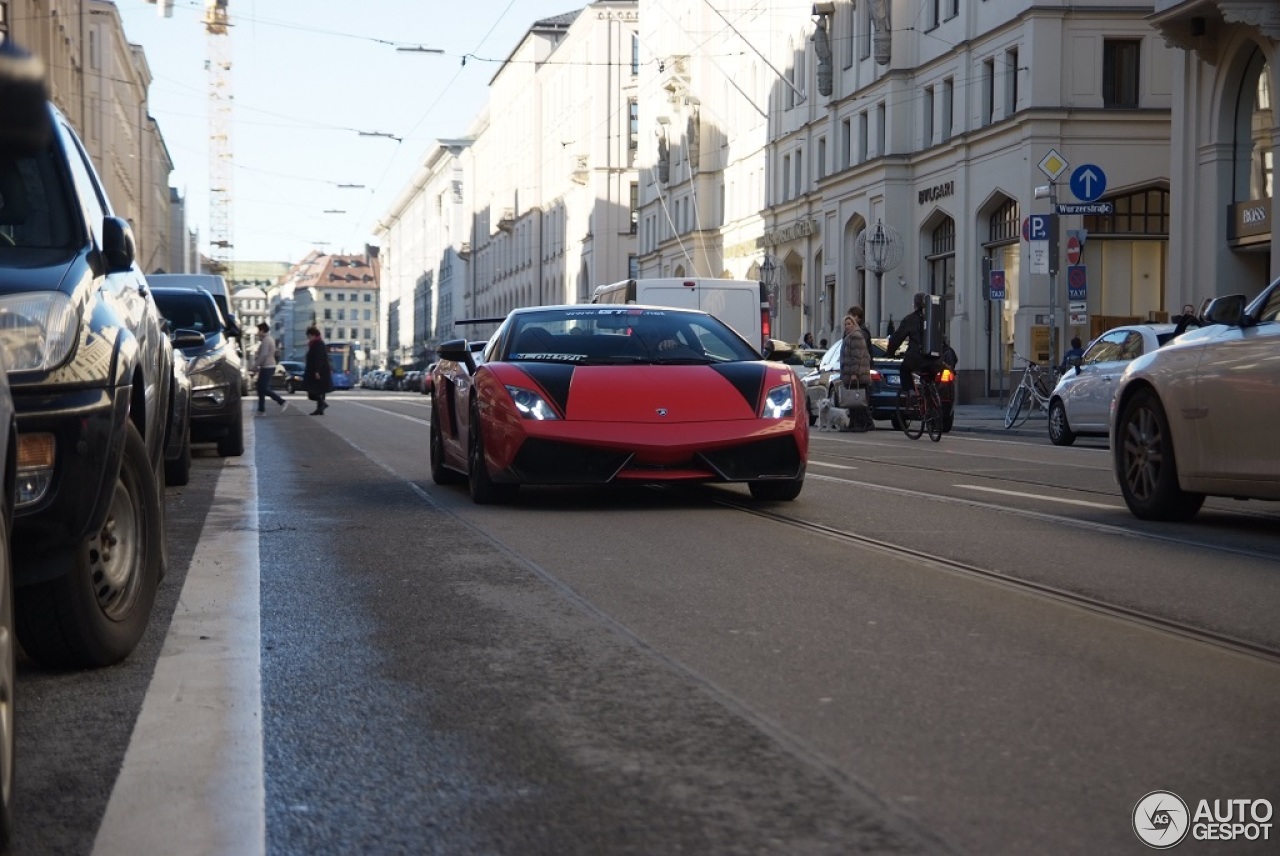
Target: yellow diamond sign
1053,165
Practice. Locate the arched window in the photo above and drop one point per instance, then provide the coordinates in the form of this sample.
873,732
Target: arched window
942,266
1143,212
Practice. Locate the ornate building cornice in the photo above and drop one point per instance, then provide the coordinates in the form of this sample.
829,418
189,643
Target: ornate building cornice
1196,25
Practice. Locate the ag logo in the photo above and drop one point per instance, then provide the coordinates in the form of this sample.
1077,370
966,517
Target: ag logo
1160,819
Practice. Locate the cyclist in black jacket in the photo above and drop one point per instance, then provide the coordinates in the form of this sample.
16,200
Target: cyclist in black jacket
911,331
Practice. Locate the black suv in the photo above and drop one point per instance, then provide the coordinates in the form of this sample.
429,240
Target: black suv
213,364
91,372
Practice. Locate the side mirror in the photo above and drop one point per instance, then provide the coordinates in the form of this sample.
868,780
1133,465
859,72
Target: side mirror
1225,310
454,349
118,246
187,339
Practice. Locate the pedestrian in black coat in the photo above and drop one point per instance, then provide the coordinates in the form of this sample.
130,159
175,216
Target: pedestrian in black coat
319,373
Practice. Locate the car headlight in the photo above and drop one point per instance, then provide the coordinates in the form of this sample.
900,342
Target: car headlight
37,330
206,361
779,403
530,404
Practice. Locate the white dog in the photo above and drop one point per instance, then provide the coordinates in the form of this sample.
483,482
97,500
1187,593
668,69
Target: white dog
831,418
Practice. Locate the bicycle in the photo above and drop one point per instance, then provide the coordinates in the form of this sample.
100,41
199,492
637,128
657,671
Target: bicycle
920,409
1031,392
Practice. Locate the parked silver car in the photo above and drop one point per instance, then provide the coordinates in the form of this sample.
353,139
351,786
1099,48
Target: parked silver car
1198,416
1081,402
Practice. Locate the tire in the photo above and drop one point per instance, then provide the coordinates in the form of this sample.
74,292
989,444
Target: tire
1146,466
909,415
1018,409
483,489
949,421
1060,433
290,387
440,474
934,422
8,672
178,471
231,444
776,490
95,614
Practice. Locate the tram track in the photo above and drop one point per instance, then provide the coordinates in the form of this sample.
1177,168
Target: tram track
1148,620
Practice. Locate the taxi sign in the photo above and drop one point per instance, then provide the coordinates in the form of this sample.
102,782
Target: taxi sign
1053,165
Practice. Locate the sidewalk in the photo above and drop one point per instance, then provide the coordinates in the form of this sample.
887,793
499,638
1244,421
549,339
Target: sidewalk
989,419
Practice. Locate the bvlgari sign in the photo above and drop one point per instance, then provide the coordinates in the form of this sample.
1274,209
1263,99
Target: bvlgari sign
938,191
1250,222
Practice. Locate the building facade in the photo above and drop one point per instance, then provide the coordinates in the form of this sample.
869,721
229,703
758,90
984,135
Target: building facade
100,83
337,294
1226,141
870,151
423,239
536,205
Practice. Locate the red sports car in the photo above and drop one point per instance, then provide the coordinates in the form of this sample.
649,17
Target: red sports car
593,394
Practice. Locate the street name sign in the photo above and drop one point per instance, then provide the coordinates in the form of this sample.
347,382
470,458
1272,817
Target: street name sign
1085,208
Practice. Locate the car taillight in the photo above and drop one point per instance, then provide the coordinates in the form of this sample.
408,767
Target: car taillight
765,330
875,375
947,376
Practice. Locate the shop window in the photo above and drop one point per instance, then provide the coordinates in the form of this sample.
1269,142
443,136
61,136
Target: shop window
942,269
1145,212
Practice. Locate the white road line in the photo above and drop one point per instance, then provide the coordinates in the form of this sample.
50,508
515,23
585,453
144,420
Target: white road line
192,778
1040,496
386,412
814,463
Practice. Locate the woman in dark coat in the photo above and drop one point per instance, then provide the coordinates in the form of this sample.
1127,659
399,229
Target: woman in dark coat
319,373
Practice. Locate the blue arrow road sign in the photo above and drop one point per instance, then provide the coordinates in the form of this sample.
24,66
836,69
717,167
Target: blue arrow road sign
1088,182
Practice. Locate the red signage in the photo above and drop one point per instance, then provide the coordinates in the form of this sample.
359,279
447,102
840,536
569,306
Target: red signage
1073,250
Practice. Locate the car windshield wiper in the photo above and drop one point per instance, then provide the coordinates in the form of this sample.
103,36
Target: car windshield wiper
682,361
615,360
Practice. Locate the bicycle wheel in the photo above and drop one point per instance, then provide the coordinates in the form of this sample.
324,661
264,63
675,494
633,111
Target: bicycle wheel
909,414
933,409
1018,408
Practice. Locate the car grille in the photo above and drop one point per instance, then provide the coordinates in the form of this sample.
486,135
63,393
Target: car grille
553,462
776,457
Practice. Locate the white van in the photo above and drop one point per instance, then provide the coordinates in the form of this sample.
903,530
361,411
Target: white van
743,304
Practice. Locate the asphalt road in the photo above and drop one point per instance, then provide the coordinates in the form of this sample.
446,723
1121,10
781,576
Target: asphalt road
938,648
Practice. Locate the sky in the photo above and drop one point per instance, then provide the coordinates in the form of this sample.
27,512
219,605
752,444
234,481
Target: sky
312,81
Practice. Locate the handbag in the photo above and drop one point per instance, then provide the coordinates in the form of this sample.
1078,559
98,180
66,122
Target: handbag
855,397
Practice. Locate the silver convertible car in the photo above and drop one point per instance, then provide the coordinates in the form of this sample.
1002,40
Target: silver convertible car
1198,416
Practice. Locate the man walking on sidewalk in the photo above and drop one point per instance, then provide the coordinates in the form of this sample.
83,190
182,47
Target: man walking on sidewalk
264,366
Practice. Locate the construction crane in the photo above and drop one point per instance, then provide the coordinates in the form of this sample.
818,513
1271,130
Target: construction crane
221,179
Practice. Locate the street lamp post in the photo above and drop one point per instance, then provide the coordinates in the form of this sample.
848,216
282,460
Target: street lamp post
879,249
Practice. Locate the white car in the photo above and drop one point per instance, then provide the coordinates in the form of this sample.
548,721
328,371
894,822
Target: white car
1081,402
1198,416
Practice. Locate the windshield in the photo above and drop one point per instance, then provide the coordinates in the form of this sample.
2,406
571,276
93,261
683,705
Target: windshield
630,335
188,310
